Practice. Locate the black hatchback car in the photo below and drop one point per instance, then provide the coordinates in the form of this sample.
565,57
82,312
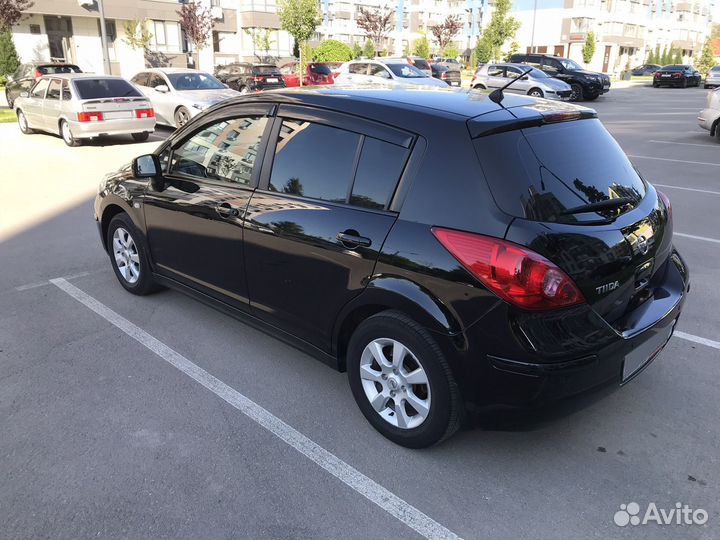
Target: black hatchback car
585,85
245,77
677,75
28,74
451,253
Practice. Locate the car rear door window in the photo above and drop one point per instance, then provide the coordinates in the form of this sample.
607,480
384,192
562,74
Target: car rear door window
39,90
66,95
314,160
358,69
54,89
378,172
496,71
224,151
104,88
141,79
376,70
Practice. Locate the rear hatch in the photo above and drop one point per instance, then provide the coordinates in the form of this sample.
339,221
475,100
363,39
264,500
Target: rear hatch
267,77
577,200
113,99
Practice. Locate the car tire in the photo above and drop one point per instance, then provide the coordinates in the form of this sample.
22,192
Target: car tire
656,85
576,93
128,255
535,92
141,137
182,117
9,101
592,97
22,123
431,405
706,86
67,135
684,83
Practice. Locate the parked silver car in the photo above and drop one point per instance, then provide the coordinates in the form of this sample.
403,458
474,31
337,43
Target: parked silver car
79,106
536,83
179,94
712,80
709,117
388,72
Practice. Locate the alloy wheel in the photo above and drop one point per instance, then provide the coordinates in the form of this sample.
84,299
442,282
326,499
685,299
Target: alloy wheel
67,134
395,383
127,258
182,116
23,122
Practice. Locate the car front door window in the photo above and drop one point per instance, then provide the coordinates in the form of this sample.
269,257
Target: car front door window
38,91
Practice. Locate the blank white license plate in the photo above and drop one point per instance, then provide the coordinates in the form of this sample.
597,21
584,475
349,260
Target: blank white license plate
116,115
645,352
606,87
665,75
271,79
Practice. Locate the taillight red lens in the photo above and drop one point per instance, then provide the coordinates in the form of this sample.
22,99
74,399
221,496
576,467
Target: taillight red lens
666,201
38,74
144,113
443,75
516,274
90,116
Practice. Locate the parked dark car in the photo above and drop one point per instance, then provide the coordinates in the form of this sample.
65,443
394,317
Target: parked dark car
678,75
585,85
644,70
444,73
547,271
28,74
246,77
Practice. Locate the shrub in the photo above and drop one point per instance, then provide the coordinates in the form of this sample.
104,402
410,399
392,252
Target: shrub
332,50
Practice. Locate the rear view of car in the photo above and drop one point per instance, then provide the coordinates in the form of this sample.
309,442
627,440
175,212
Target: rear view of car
712,80
319,73
80,107
27,75
445,74
677,75
709,117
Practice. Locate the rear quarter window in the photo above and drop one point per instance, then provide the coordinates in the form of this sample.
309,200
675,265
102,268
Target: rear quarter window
538,172
104,88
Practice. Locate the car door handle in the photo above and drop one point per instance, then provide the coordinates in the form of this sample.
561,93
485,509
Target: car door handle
351,239
227,211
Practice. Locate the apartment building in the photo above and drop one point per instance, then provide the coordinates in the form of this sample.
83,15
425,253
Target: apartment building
625,30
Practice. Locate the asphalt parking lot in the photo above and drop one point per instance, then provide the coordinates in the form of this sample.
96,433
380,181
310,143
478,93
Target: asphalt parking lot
158,417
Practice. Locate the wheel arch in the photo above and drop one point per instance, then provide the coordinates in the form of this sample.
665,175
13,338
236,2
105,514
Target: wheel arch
392,293
109,212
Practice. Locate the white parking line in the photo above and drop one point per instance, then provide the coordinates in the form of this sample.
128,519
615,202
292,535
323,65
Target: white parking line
43,283
697,339
688,189
675,160
705,238
685,143
368,488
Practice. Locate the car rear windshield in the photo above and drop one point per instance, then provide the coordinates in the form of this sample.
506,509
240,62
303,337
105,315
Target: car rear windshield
538,173
421,64
320,69
104,88
673,67
55,69
265,70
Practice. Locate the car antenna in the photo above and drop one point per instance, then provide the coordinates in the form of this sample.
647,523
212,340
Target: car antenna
497,94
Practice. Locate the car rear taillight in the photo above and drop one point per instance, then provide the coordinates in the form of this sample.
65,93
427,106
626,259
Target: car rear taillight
89,116
144,113
677,75
443,75
657,74
666,201
38,74
516,274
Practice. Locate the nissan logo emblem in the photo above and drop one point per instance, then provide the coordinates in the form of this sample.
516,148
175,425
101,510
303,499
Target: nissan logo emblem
642,245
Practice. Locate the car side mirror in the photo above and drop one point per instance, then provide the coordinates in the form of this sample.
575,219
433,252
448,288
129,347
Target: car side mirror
162,88
147,166
24,94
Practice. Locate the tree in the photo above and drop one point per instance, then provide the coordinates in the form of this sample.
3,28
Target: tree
658,55
665,58
369,49
376,23
9,61
446,30
137,36
407,50
677,57
197,23
450,51
707,58
483,51
357,51
651,58
588,50
11,12
514,48
299,18
262,41
421,47
332,50
501,28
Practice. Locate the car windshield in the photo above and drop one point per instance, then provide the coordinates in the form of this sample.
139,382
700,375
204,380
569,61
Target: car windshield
265,70
538,74
104,88
569,64
406,71
52,70
194,81
716,69
320,69
673,67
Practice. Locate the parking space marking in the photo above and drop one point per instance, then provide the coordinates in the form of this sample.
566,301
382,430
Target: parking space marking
688,189
694,237
685,143
697,339
675,160
365,486
46,282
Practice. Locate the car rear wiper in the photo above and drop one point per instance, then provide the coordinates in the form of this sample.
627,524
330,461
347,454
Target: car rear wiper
608,204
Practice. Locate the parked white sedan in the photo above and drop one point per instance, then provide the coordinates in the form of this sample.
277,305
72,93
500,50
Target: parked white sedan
392,72
179,94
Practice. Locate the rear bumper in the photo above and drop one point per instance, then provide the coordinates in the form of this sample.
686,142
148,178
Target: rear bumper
84,130
712,81
669,82
707,118
600,355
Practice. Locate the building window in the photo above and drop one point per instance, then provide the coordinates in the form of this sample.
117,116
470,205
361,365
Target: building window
166,36
34,28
